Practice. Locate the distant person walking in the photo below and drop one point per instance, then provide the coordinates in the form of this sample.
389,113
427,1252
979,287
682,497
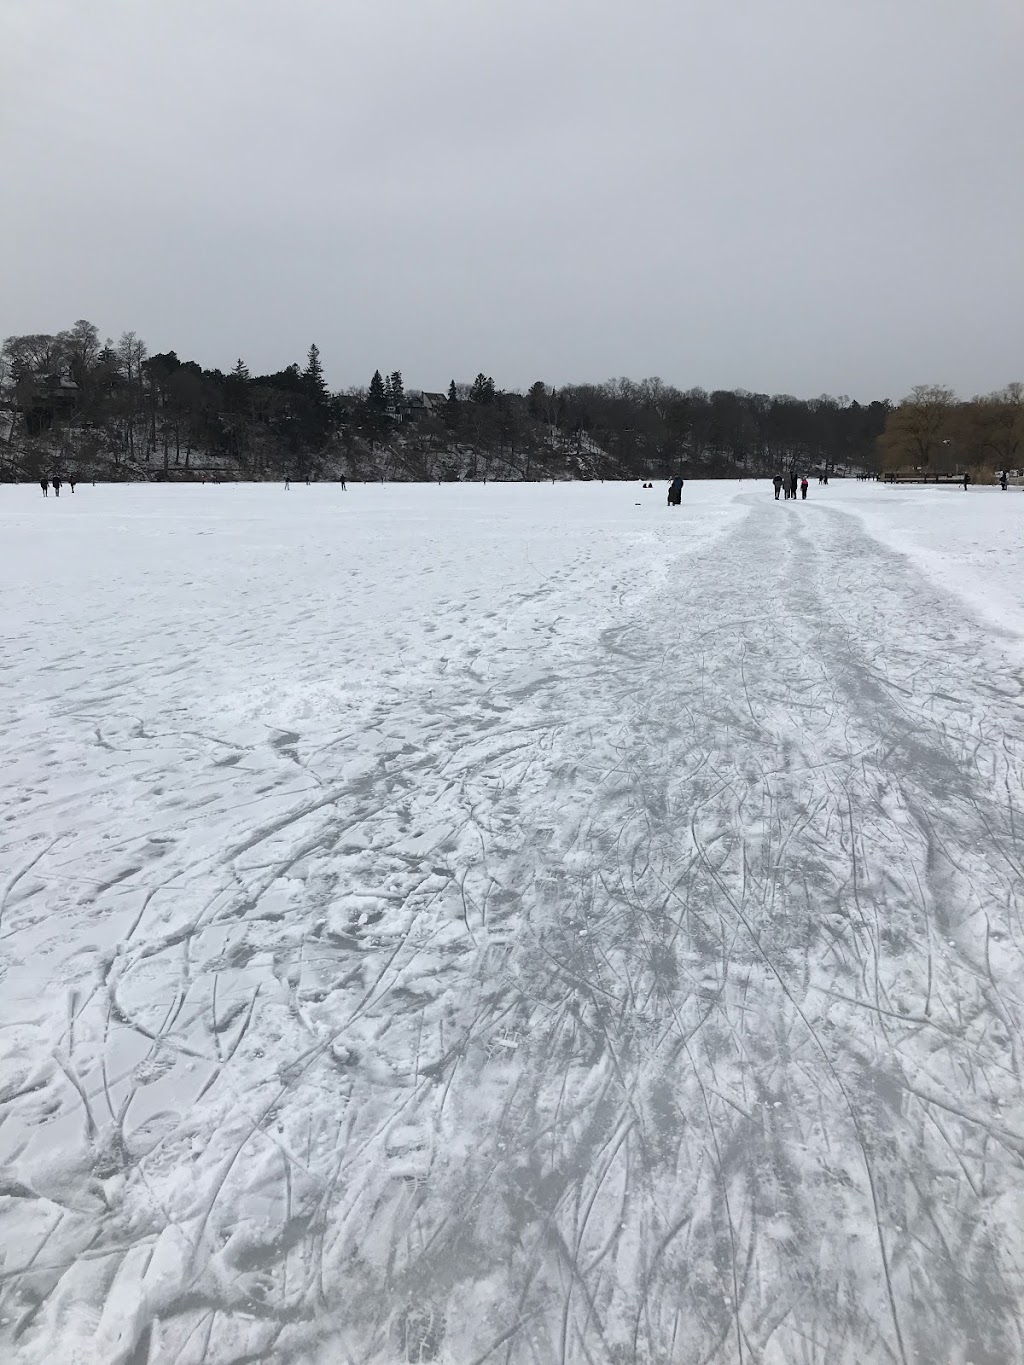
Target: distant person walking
71,483
44,484
344,486
777,481
675,492
287,484
1002,481
56,486
803,489
792,483
967,480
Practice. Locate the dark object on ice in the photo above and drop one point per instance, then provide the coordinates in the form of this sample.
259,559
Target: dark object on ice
967,479
56,486
777,481
71,483
1002,481
343,485
803,488
675,492
792,483
44,484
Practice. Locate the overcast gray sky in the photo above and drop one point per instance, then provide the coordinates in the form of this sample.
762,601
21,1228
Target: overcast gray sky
781,195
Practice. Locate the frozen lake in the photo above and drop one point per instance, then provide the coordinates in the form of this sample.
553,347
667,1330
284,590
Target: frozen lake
511,923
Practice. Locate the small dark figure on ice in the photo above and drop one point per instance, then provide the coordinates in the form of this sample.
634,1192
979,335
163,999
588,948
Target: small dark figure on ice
777,481
675,492
71,482
967,480
56,486
44,484
792,483
1002,480
803,488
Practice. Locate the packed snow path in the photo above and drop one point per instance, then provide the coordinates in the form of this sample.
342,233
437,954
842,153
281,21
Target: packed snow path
506,925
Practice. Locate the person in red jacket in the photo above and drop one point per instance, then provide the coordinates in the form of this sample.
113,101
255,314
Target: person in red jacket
803,488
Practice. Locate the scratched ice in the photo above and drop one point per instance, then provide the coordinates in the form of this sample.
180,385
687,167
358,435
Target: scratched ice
511,923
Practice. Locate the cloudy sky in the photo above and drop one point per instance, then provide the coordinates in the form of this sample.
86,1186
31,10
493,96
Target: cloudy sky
781,195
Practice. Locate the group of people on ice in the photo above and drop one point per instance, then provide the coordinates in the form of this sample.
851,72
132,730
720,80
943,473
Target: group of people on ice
792,485
56,485
789,484
288,483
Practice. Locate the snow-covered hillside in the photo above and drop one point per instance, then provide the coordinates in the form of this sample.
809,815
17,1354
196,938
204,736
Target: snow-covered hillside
511,923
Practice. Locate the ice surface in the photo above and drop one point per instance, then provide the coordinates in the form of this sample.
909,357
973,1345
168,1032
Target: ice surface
511,923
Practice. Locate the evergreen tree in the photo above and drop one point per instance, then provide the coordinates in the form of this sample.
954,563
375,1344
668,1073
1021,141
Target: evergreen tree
538,397
397,390
241,370
452,409
314,376
483,390
374,419
376,397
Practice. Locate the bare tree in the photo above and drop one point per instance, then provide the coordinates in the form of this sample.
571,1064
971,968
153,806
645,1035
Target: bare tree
919,432
1004,426
131,352
80,346
34,355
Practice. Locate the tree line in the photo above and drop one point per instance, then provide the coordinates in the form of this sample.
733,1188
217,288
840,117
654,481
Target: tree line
112,405
933,433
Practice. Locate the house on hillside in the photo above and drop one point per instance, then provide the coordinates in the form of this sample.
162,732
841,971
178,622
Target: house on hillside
44,399
419,404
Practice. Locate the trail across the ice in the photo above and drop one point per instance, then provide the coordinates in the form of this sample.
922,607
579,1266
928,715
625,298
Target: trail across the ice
634,976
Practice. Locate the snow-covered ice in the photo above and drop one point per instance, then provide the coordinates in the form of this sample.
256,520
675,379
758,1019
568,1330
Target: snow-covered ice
511,923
